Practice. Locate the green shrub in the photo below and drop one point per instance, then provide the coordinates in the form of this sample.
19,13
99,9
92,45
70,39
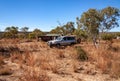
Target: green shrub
82,55
31,36
118,33
81,34
108,36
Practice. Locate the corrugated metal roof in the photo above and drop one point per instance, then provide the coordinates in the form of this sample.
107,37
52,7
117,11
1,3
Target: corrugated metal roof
53,35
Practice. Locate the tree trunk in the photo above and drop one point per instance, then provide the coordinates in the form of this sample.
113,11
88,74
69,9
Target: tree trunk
95,43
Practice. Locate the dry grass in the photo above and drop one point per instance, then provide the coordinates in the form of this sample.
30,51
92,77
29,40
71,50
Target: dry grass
61,54
34,75
76,67
5,71
55,67
16,57
1,60
115,70
30,59
44,62
61,61
26,58
107,57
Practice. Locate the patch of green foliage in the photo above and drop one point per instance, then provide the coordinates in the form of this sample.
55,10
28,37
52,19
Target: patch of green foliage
108,36
82,55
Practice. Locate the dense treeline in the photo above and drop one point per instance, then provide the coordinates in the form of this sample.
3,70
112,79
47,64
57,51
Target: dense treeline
23,33
89,25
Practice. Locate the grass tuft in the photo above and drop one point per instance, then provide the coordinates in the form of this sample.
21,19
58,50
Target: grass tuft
82,55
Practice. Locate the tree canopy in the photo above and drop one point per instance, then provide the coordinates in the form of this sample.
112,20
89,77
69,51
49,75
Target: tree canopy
10,32
90,21
65,29
94,21
109,18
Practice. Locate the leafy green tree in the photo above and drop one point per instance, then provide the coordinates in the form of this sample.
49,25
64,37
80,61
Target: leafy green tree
94,21
79,31
64,29
31,35
36,33
11,32
109,18
68,28
90,21
24,31
57,30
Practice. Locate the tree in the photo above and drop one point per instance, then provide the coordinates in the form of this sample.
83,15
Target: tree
64,29
109,18
79,31
69,28
11,32
57,30
24,31
90,21
36,33
93,21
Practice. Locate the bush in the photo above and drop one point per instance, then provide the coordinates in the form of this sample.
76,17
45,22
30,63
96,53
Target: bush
80,34
31,36
118,33
108,36
81,54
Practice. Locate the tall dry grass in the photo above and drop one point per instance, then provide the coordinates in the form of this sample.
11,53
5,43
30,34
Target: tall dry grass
107,57
33,74
39,55
1,60
3,69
